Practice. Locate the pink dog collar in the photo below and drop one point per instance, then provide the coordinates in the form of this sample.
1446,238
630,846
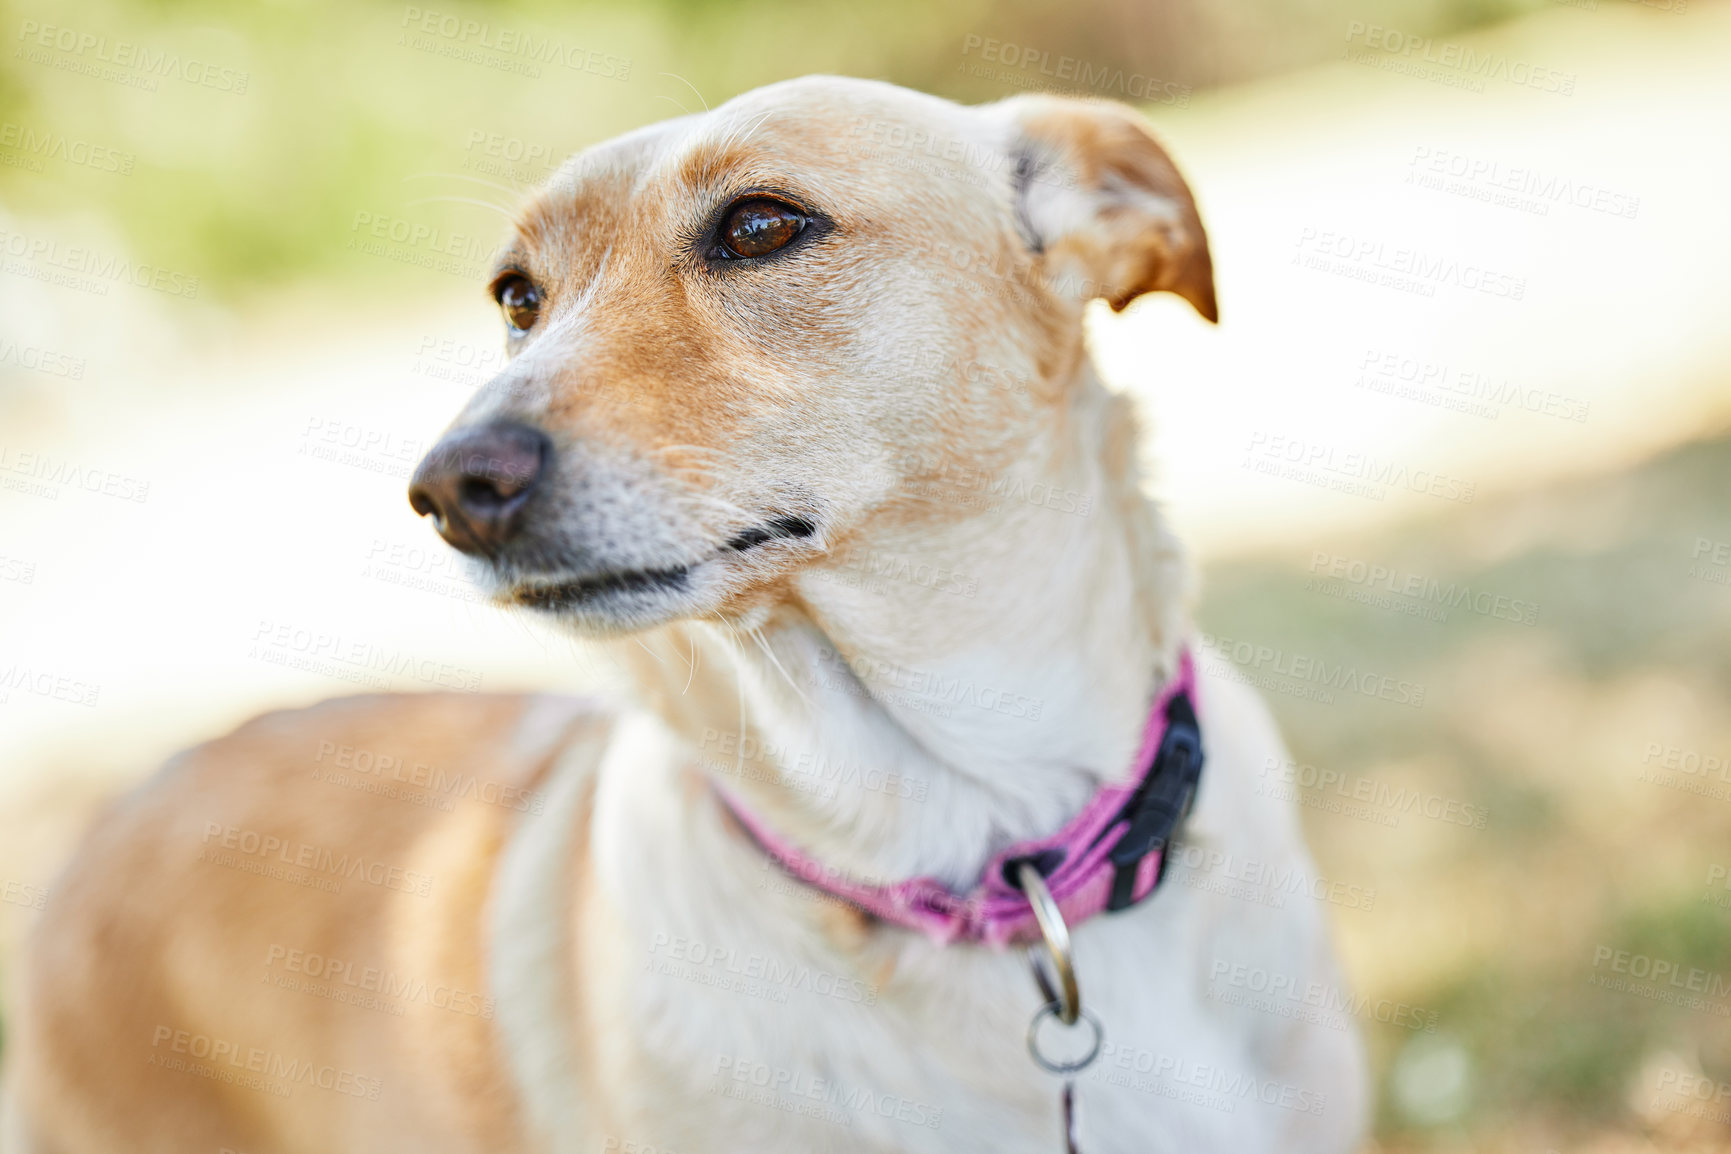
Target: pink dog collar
1109,857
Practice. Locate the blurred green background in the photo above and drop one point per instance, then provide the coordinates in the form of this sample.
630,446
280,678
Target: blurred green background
1559,728
351,105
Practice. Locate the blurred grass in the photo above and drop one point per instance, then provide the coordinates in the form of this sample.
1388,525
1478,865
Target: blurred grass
1577,853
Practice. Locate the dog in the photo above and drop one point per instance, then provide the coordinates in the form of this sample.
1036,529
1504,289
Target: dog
799,427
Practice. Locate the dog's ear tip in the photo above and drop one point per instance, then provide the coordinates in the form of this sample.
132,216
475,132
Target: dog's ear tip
1119,191
1204,304
1199,296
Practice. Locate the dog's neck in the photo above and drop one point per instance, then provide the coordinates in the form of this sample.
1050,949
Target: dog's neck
935,696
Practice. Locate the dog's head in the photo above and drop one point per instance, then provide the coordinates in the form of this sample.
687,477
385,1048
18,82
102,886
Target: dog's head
742,339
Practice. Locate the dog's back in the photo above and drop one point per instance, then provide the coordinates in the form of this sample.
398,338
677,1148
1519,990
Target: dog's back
340,858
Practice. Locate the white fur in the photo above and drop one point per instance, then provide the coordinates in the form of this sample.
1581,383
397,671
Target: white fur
529,929
945,1037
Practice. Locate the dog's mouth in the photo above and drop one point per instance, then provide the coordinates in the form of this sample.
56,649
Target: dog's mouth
592,591
783,528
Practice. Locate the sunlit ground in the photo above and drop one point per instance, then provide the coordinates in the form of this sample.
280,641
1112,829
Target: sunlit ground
1433,429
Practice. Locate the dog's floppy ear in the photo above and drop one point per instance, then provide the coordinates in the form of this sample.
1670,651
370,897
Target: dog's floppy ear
1103,204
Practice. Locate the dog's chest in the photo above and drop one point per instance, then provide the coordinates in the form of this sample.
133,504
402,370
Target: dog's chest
740,1014
778,1041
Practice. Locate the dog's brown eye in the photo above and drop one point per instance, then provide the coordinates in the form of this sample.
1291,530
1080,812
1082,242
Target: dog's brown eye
759,227
520,299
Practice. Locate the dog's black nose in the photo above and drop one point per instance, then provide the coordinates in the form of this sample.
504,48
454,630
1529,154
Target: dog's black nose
477,481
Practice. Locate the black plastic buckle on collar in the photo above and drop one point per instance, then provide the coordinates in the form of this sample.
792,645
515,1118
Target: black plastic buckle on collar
1160,803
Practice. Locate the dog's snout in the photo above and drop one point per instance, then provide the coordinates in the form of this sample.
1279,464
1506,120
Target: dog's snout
476,482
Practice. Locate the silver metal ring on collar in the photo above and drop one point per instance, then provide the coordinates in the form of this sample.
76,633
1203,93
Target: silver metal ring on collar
1075,1065
1060,986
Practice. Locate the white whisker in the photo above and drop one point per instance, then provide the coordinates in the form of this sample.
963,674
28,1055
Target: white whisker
776,661
689,85
486,204
515,192
752,131
693,673
646,649
739,683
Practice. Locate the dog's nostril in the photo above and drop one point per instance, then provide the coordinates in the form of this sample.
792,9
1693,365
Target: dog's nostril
421,501
483,493
476,482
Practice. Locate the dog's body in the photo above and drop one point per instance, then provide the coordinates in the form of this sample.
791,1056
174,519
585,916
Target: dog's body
587,952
